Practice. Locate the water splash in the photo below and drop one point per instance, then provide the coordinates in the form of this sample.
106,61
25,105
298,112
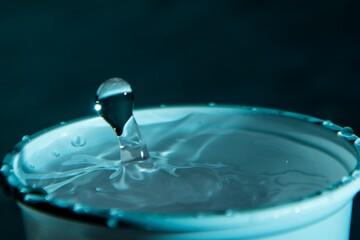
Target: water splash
114,102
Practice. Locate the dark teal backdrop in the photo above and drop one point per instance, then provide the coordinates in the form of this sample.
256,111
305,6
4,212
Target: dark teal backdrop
301,57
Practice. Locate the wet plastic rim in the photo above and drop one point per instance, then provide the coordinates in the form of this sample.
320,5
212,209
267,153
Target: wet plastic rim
116,218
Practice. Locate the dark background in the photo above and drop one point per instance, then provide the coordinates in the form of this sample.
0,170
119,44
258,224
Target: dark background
302,57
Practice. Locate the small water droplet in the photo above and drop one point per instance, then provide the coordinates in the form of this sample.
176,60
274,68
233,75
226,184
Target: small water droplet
162,105
80,208
62,123
12,180
98,189
112,222
34,198
286,161
212,104
26,138
347,132
78,141
55,154
346,179
116,213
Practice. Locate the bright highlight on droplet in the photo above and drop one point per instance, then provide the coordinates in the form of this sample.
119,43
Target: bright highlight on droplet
113,87
97,107
142,154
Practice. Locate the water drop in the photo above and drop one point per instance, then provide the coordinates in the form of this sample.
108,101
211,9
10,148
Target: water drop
114,102
212,104
62,123
80,208
26,138
25,189
34,198
6,169
78,141
346,179
116,213
112,222
55,154
162,105
347,132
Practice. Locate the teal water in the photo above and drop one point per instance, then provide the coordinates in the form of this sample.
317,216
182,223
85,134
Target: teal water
198,162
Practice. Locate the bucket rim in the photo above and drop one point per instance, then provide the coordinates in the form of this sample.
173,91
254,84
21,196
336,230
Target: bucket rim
115,218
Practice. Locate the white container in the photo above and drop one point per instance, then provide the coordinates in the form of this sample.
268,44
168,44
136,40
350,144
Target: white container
324,215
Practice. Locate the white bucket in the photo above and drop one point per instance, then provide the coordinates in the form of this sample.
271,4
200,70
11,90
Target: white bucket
324,215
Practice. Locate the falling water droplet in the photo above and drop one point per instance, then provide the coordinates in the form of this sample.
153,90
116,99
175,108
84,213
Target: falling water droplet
26,138
114,102
78,141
